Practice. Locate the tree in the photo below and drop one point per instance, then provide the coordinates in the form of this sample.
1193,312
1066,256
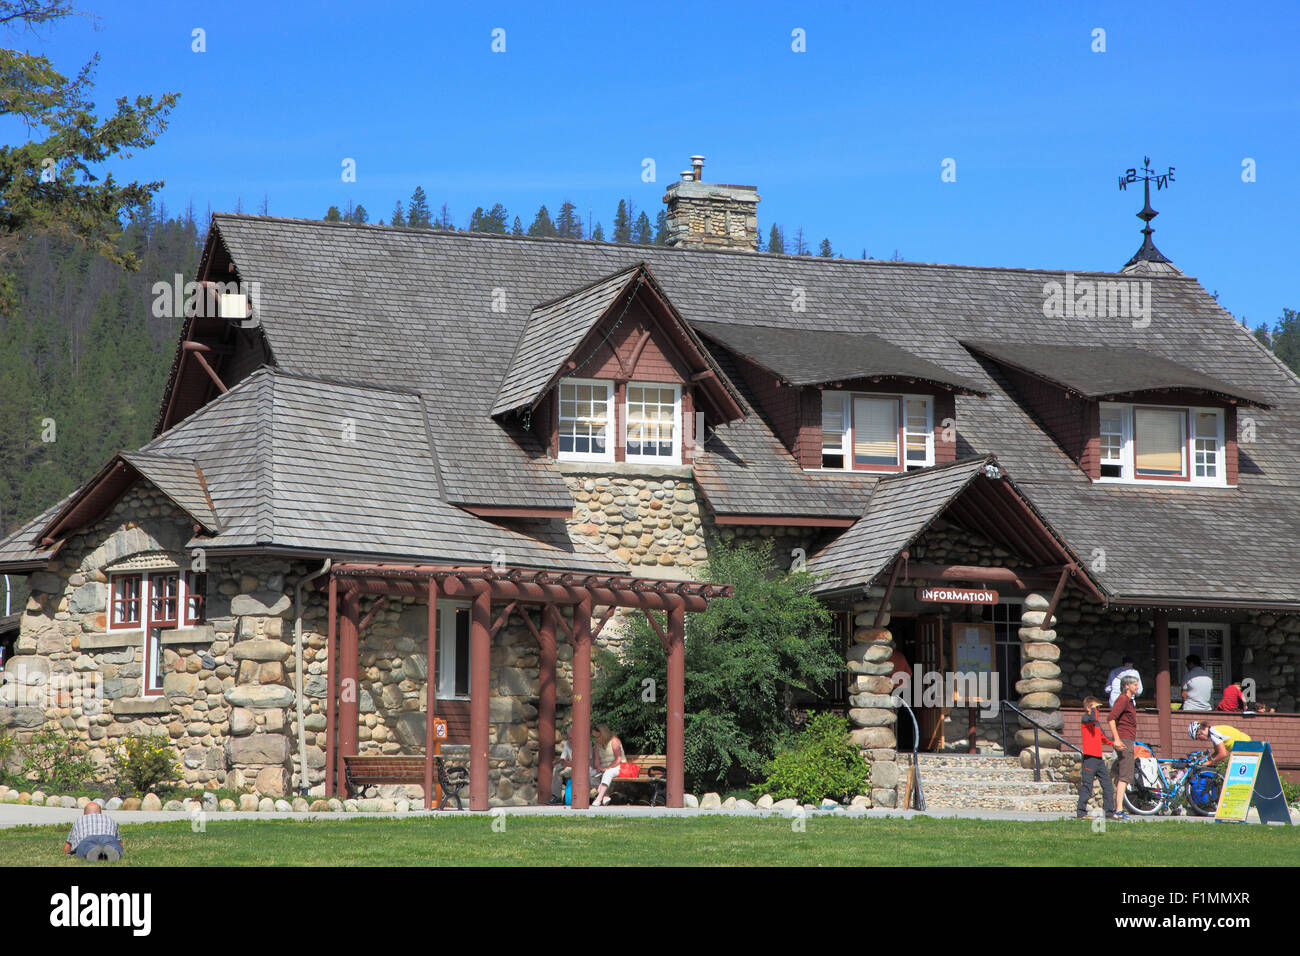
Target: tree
359,215
824,250
623,222
742,654
800,246
497,218
776,239
642,232
518,228
333,215
444,218
661,228
568,224
46,184
398,218
1262,336
542,225
417,214
1286,339
598,233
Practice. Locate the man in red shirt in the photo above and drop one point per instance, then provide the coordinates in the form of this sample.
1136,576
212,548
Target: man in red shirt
1093,765
1123,731
1233,699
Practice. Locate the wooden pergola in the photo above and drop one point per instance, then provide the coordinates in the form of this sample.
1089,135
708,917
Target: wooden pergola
482,586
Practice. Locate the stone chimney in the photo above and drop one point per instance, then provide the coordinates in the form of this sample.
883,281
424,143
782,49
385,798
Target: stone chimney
711,215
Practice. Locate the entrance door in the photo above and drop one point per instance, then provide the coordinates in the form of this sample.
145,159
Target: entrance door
929,660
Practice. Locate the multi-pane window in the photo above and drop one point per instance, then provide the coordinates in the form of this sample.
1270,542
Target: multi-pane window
835,429
652,413
196,592
164,598
124,606
876,432
1162,443
584,420
1209,642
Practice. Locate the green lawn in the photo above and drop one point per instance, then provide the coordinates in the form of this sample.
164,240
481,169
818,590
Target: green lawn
709,841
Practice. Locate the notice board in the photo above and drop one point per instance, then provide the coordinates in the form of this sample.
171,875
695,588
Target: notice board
973,653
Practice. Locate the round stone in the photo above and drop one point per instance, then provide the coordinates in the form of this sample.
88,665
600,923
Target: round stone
1040,701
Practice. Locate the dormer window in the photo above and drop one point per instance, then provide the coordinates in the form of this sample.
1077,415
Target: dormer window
1162,443
586,409
868,432
652,414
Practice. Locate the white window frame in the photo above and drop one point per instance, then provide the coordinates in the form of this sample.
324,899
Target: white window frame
611,412
903,464
1127,462
845,448
675,458
445,667
151,656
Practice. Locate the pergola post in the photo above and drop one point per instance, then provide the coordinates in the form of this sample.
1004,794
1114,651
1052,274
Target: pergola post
546,703
1165,712
430,692
349,689
479,703
331,662
582,704
676,705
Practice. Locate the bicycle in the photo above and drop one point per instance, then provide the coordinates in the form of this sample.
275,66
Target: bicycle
1188,780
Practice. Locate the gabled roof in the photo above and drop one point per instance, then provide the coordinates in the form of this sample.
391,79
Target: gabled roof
181,480
903,506
556,331
804,357
308,465
1100,371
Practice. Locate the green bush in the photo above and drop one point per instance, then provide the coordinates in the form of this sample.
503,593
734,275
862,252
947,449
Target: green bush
7,747
53,759
742,655
820,763
144,762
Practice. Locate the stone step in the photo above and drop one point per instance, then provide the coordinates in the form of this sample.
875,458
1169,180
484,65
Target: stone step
996,787
1002,774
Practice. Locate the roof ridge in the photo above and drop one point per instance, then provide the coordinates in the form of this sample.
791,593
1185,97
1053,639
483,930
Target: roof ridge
265,479
467,235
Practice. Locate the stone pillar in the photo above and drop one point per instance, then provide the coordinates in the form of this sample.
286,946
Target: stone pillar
1040,681
872,712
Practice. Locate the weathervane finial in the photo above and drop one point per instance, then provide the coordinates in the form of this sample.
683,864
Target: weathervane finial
1162,180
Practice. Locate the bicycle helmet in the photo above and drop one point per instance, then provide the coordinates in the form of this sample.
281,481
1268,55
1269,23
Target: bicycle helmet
1192,728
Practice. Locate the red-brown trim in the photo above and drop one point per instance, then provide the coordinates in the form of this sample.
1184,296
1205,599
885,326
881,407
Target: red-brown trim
792,521
140,598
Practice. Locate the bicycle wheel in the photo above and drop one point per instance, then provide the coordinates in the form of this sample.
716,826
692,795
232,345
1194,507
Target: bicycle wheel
1138,799
1203,793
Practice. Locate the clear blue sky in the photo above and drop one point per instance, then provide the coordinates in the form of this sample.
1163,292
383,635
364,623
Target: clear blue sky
846,138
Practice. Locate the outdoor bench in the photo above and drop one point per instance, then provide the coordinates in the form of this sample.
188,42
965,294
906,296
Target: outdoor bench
362,772
652,770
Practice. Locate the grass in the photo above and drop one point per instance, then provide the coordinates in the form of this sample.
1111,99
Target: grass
709,841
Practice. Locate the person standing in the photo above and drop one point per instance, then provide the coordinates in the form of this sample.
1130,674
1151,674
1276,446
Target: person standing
1093,764
1115,677
1198,686
1123,731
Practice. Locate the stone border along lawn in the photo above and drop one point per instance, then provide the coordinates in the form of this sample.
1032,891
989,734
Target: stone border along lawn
823,840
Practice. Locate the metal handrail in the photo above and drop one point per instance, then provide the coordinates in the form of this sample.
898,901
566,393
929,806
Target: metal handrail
1037,727
916,766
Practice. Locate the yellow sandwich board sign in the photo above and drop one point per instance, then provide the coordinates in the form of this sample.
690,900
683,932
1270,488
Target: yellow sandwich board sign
1252,779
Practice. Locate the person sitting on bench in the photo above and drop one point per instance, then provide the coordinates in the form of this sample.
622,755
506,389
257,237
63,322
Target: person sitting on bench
609,757
94,836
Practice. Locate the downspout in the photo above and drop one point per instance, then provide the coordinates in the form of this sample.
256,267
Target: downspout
304,785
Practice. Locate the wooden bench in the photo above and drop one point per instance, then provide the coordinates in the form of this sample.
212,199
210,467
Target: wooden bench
652,771
362,772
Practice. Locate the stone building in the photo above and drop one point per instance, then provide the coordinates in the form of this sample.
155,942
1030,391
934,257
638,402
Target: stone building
1018,473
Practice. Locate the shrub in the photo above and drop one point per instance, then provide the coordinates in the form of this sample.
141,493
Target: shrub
7,747
143,762
53,759
742,655
820,763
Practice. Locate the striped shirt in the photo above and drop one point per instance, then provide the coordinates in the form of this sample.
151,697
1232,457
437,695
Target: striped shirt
93,824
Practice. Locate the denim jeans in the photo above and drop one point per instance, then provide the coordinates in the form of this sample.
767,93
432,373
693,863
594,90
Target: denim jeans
1096,767
91,842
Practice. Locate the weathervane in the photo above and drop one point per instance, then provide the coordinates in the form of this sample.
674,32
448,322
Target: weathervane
1162,180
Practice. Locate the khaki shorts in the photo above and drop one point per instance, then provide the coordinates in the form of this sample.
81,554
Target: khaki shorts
1126,761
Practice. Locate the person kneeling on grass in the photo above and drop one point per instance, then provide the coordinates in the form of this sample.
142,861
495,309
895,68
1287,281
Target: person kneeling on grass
94,836
1093,765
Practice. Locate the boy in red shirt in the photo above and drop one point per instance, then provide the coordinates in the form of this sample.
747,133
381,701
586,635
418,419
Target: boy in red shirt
1093,765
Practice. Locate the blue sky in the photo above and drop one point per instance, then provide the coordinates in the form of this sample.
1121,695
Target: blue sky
846,139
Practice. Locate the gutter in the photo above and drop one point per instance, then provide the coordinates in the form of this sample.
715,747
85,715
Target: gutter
304,785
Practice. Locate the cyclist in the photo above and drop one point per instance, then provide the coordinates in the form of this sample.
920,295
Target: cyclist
1221,737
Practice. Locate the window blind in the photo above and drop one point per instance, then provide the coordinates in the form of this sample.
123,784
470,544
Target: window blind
875,431
1159,441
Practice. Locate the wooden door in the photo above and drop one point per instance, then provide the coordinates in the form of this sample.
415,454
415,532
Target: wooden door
929,660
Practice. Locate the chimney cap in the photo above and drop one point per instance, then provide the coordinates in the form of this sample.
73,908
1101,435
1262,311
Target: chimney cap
697,162
688,175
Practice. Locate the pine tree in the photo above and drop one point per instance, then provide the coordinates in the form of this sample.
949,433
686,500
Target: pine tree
642,232
518,228
824,250
1286,338
567,224
623,222
542,225
444,218
332,214
398,218
800,246
417,214
661,228
359,215
776,239
598,233
496,219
